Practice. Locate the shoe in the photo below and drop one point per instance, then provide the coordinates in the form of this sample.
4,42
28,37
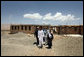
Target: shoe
48,47
40,46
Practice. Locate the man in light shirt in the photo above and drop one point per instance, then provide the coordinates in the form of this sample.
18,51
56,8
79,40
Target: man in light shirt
40,36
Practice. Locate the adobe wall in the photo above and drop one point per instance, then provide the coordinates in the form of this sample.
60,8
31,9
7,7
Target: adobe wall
70,29
56,29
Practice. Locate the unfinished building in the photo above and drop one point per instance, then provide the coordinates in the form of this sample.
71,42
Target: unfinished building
25,28
63,29
70,29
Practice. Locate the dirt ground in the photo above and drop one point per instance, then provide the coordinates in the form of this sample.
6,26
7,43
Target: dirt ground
21,44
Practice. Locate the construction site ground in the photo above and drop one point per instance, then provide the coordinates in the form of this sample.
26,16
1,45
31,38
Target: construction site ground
21,44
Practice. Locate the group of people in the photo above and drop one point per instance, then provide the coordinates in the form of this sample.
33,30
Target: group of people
43,37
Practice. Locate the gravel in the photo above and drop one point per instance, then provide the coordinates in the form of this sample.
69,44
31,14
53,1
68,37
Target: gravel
21,44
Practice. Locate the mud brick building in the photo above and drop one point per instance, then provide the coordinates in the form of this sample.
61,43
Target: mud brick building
63,29
70,29
25,28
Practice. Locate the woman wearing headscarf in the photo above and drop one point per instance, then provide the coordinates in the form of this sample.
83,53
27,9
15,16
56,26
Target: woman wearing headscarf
50,38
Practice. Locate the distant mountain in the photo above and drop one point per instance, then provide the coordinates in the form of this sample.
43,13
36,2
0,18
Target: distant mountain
5,26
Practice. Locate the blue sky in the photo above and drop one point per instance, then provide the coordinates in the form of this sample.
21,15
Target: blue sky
13,12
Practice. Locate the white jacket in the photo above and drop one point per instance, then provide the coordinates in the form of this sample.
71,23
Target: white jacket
40,34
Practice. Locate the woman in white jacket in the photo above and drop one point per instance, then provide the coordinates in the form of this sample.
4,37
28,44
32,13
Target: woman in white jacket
40,36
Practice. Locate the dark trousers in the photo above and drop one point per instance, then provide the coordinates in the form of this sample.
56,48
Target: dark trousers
49,43
37,40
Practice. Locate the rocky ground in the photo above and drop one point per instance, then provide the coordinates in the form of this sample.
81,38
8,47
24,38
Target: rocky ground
21,44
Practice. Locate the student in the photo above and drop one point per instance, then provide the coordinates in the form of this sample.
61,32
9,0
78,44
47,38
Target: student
40,36
50,38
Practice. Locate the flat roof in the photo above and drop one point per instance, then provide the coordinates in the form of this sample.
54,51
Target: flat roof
44,25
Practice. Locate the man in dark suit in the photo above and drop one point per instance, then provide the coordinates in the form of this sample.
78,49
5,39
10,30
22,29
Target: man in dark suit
36,35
